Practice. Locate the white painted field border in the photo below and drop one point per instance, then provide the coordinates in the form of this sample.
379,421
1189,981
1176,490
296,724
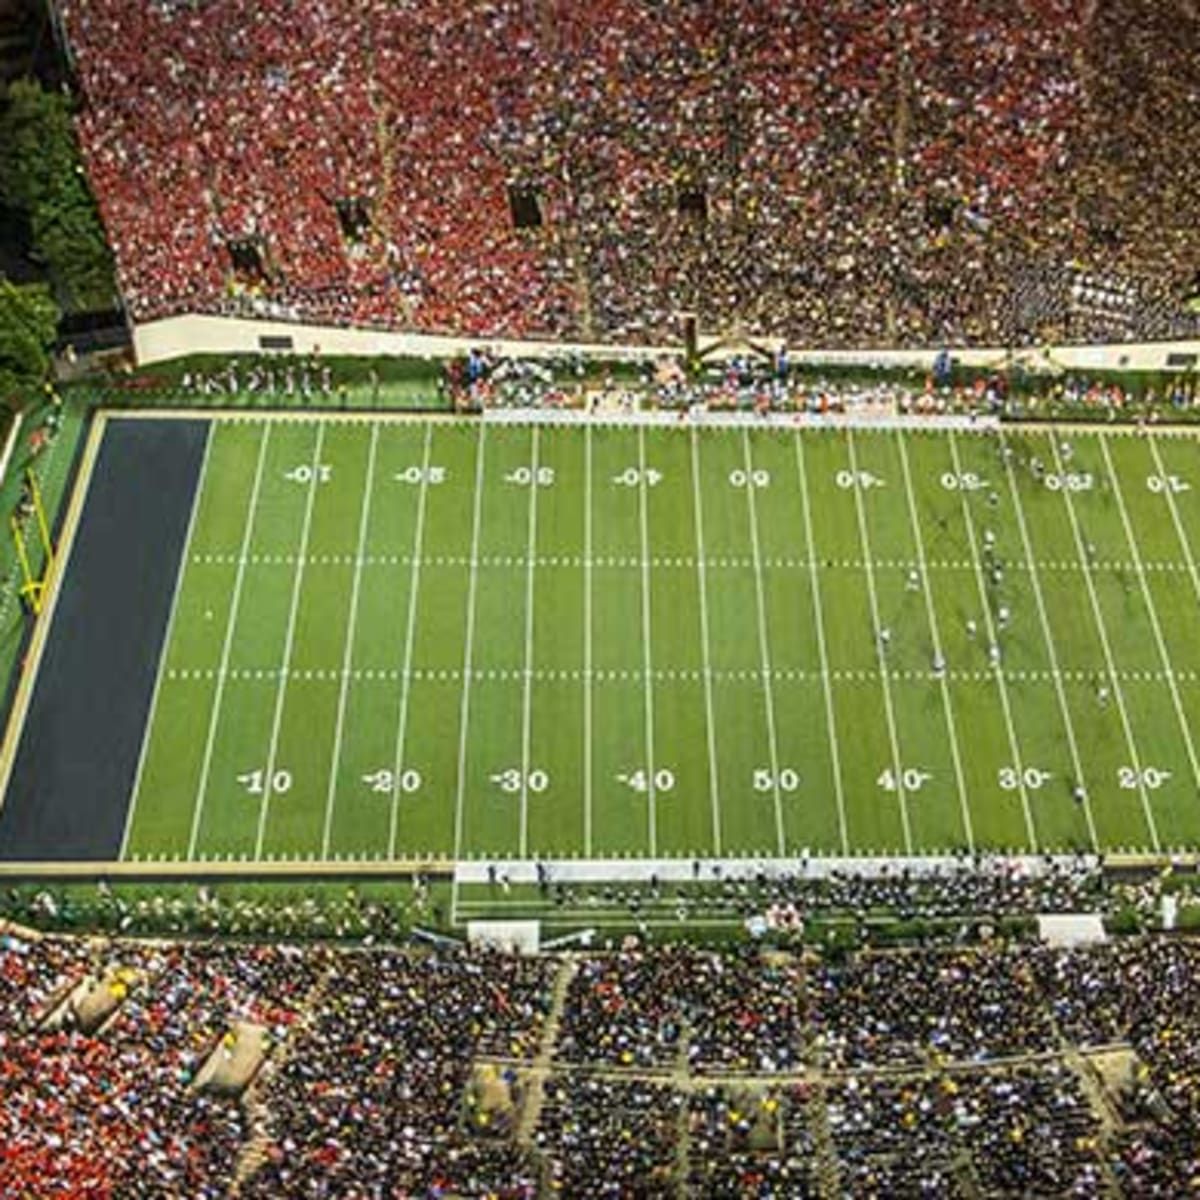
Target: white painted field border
1160,642
1057,675
468,653
288,643
710,724
1110,663
164,651
400,750
647,653
822,650
227,646
889,712
348,651
1014,747
527,690
764,646
56,571
10,443
587,641
944,686
1180,532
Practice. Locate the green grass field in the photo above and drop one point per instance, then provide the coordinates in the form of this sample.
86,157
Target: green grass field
426,638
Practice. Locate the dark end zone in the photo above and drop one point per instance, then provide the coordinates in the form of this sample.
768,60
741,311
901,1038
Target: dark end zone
73,774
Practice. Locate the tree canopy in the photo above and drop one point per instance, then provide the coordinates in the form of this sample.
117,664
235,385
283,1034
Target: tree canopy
28,321
42,177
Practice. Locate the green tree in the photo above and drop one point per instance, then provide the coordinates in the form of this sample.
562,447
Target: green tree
41,176
28,321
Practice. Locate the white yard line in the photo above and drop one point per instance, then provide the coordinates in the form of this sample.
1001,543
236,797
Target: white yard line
410,632
1180,532
1160,641
348,652
706,654
1057,674
468,651
1110,664
647,657
587,641
167,635
931,614
527,691
764,648
288,643
235,605
822,650
881,657
997,671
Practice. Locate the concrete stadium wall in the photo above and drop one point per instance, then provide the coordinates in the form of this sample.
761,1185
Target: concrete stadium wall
175,337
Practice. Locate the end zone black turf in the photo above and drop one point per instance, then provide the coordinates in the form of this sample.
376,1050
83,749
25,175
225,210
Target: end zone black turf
74,772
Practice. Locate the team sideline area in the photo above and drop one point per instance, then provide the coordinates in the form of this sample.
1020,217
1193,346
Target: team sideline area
158,1068
434,639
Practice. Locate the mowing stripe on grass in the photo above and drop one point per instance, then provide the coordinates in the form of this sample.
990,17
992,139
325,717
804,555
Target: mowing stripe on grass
1180,533
1105,647
997,671
227,646
947,708
1035,579
166,642
527,690
289,640
822,649
587,642
889,711
1165,658
706,653
348,652
647,655
468,652
1102,629
401,750
764,646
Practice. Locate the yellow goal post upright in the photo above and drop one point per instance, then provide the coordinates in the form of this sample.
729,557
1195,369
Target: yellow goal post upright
33,584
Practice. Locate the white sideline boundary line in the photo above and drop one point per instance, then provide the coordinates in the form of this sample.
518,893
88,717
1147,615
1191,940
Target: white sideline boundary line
289,641
931,615
1105,646
889,712
1047,633
414,587
527,692
997,671
335,757
164,650
1160,642
764,646
714,782
468,652
647,653
587,641
235,604
822,650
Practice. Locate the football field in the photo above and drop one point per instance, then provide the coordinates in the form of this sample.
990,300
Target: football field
401,639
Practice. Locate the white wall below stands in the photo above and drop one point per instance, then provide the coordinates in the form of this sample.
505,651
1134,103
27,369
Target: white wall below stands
175,337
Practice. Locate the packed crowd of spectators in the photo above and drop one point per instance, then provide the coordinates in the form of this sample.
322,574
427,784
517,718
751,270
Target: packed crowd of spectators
854,173
953,1072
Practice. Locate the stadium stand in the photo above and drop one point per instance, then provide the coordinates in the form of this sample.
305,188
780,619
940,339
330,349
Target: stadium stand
994,1070
858,173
